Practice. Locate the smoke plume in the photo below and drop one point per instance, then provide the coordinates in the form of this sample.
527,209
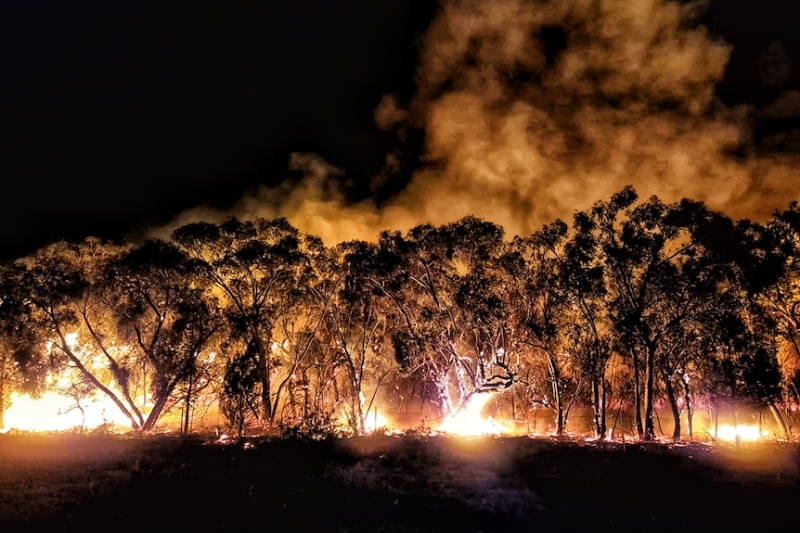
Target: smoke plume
533,109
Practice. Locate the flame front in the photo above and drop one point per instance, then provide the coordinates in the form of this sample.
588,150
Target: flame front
375,422
55,412
742,431
469,420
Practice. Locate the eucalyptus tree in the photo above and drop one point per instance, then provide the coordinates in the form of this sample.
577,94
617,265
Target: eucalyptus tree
356,332
58,282
541,310
481,317
663,283
299,317
441,287
126,320
255,268
167,322
455,291
760,267
590,332
23,364
772,253
424,296
599,231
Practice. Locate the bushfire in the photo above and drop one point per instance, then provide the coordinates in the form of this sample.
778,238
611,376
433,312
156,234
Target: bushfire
619,326
53,412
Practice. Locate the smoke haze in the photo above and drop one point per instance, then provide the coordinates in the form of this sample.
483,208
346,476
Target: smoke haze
535,109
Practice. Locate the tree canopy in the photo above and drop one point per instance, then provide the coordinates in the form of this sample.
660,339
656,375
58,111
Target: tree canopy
635,303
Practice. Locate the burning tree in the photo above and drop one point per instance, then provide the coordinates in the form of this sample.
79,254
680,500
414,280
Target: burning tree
447,307
288,331
165,319
298,322
121,318
590,331
542,312
254,268
22,351
355,332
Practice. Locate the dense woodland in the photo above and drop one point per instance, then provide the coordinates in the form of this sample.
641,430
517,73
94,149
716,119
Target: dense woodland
633,305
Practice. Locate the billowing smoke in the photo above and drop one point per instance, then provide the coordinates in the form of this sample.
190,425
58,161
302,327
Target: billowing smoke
534,109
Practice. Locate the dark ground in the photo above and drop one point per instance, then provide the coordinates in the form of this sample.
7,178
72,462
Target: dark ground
399,484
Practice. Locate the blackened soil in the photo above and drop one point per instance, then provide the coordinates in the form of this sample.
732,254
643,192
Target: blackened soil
398,484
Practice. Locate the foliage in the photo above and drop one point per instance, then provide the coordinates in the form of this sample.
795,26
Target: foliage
632,303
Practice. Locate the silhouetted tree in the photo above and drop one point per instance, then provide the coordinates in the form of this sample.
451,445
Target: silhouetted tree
254,267
542,308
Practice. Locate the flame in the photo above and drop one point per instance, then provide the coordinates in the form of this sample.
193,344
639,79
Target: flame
743,431
469,420
55,412
375,421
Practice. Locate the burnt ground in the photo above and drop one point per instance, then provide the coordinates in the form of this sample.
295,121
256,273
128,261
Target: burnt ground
398,484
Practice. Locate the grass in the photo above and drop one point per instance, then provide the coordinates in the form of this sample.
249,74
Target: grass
398,484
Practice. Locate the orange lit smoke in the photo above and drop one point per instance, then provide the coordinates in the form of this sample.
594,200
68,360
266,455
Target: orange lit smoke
520,131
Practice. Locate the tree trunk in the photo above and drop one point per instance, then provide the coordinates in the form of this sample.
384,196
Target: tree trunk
445,402
637,395
603,398
188,404
152,418
555,381
649,425
779,419
263,374
463,394
2,399
358,408
687,396
599,417
135,425
676,412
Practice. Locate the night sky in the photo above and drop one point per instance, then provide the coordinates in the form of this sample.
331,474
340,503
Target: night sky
117,116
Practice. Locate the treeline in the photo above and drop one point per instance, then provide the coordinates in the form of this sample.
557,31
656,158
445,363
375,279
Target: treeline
633,304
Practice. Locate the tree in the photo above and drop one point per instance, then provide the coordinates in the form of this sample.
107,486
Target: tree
663,283
450,296
22,363
760,268
301,314
59,291
253,267
591,334
356,329
542,306
148,294
113,313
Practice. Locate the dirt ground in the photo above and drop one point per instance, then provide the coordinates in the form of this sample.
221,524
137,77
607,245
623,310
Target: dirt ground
392,483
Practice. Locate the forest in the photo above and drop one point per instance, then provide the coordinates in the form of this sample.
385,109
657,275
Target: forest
633,306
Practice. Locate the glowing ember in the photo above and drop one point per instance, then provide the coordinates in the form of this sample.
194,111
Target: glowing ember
54,412
745,433
469,421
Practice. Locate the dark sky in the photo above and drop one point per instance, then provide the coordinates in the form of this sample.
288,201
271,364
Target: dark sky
118,114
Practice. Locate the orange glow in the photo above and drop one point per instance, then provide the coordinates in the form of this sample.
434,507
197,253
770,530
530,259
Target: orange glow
745,432
375,421
54,412
470,422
